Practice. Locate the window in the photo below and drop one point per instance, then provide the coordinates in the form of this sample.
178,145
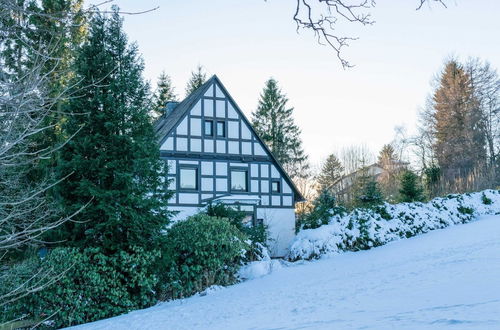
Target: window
239,179
275,187
188,178
209,128
221,129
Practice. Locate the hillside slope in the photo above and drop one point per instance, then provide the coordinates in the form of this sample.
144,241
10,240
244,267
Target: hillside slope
447,278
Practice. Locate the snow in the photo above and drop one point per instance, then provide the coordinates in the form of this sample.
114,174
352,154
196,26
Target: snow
345,233
446,278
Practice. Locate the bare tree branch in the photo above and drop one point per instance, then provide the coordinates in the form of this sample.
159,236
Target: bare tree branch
324,17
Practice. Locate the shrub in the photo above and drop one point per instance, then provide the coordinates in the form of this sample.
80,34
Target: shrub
92,286
257,233
200,252
324,208
368,194
486,200
465,210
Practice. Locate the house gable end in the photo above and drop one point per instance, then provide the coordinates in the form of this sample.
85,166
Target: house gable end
209,124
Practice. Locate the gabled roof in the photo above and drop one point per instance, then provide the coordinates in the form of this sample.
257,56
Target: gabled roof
168,122
165,123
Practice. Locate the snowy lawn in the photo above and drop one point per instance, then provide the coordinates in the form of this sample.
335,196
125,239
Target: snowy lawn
447,278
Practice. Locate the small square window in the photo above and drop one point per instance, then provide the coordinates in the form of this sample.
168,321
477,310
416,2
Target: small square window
209,128
239,180
275,187
188,178
221,129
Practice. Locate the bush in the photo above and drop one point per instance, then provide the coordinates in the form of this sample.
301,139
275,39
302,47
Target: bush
200,252
465,210
486,200
91,286
368,194
324,208
256,233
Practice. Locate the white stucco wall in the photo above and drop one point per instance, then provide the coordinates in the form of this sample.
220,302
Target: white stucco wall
281,228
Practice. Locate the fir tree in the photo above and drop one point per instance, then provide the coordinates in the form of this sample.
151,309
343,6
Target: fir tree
165,92
274,123
331,172
112,162
411,190
366,191
458,124
197,79
387,156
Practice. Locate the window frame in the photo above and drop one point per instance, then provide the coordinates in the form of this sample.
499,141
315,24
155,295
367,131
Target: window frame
278,191
196,177
236,169
211,122
223,122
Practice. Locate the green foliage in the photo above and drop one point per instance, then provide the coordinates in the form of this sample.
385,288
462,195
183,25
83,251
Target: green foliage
220,210
197,79
367,193
256,233
324,208
465,210
331,171
165,92
273,121
410,190
200,252
112,162
382,211
486,200
432,176
91,285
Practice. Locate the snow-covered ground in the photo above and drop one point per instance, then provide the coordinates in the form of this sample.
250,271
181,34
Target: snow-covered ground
448,278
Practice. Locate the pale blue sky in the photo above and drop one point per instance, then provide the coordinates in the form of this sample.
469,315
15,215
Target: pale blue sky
246,42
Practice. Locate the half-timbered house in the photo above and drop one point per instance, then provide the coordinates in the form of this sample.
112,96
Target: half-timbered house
214,155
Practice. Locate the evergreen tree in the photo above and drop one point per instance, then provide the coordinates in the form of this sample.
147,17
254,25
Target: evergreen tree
197,79
165,92
391,166
274,123
387,156
366,191
411,190
331,171
112,162
458,125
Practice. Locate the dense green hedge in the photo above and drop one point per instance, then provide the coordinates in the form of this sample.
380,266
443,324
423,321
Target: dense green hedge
90,286
200,252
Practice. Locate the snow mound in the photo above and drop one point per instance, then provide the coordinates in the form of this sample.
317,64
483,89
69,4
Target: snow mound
363,229
261,267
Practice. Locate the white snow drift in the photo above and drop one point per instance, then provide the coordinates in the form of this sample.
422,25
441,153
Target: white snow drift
446,279
362,229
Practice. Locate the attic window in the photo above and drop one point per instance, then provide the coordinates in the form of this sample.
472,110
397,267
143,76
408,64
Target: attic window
221,129
275,187
209,128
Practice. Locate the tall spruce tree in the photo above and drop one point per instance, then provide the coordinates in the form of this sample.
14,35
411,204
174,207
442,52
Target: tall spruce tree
458,124
198,78
165,92
112,162
274,123
331,171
